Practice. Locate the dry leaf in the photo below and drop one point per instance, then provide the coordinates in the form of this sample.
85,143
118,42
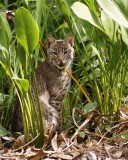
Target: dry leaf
117,154
54,143
92,155
61,156
8,138
19,142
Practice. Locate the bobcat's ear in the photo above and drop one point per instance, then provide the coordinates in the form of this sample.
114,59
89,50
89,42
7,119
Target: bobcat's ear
49,40
69,39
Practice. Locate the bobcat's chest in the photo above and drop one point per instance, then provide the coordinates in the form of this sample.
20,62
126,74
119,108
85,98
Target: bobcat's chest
59,86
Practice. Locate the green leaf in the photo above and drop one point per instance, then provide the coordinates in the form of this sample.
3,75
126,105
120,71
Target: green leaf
64,6
4,99
124,35
27,31
92,6
22,57
125,136
113,11
3,131
90,107
40,10
5,31
83,12
123,5
23,84
108,24
82,134
2,72
4,60
26,1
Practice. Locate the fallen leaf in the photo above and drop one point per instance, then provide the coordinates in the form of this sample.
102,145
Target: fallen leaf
8,138
61,156
19,142
117,154
92,155
54,143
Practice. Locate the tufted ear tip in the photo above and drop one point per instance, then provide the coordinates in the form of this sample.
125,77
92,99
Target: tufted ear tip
69,39
49,40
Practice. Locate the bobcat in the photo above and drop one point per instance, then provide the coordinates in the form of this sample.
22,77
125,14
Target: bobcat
52,82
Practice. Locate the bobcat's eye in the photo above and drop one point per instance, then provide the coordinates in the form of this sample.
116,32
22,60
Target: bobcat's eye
65,52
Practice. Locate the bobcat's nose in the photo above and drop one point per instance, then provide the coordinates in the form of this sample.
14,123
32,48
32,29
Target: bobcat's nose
61,63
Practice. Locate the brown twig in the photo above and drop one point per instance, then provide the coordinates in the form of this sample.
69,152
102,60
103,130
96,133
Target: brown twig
43,46
73,117
95,135
26,143
116,126
81,88
80,128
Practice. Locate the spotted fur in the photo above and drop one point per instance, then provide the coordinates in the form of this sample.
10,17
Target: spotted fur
52,80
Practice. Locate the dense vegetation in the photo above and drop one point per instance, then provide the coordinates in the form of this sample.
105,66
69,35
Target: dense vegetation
99,81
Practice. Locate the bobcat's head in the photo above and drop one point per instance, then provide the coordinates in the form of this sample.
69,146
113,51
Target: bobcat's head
60,52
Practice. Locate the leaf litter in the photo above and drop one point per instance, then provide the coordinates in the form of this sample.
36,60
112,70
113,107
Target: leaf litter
87,139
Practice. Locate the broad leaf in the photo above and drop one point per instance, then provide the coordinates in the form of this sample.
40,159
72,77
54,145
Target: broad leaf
5,32
83,12
27,31
124,35
123,5
23,84
109,25
22,57
40,10
90,107
4,60
113,11
3,131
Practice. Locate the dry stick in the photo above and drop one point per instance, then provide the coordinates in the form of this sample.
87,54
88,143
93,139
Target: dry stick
42,45
107,152
95,134
114,136
67,147
67,143
27,143
80,127
116,126
111,139
107,132
87,97
84,92
73,117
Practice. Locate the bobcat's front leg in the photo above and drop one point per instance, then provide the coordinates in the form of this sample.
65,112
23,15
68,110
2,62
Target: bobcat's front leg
57,105
50,114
